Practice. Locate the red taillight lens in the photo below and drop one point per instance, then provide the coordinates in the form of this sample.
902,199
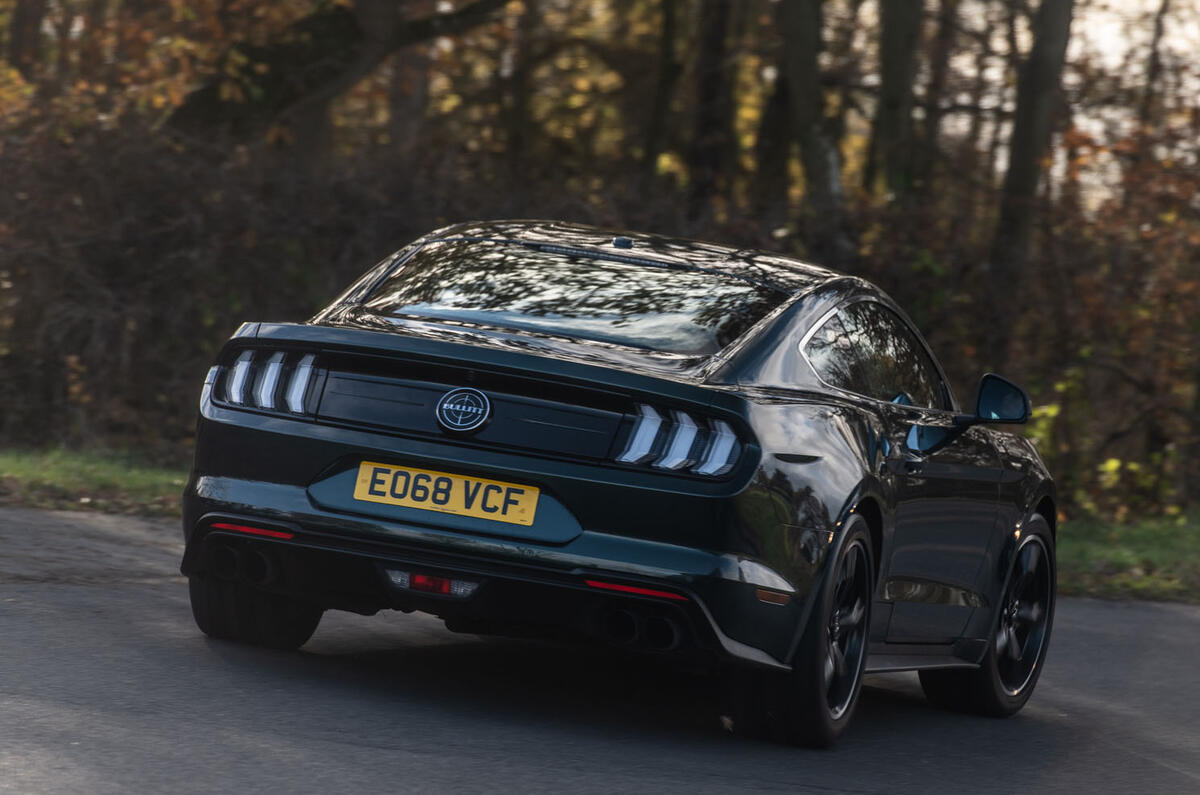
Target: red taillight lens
424,582
443,586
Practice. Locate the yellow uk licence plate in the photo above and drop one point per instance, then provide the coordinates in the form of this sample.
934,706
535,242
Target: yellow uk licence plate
441,491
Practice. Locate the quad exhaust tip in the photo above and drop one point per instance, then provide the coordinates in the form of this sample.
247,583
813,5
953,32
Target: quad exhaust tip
246,565
662,634
628,628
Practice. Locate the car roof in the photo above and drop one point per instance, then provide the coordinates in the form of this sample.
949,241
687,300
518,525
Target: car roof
775,270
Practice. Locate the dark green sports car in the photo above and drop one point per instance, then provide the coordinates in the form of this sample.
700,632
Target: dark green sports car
547,429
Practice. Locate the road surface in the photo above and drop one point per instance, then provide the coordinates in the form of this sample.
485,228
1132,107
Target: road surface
107,686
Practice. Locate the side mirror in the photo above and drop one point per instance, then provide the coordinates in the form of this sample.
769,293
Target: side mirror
1001,401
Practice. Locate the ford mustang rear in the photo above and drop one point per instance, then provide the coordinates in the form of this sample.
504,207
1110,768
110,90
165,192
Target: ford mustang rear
543,429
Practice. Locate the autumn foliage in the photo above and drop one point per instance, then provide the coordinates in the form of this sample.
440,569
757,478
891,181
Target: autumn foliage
1021,176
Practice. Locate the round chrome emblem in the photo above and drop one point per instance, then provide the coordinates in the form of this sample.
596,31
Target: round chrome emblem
463,409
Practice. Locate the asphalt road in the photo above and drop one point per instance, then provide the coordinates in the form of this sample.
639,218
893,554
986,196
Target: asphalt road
106,686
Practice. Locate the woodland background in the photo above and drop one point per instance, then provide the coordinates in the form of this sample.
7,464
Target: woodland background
1022,176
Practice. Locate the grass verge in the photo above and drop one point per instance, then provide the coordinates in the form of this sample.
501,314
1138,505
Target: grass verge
1152,559
119,483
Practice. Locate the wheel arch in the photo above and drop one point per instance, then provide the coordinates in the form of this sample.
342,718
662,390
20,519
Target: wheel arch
869,509
1048,511
866,504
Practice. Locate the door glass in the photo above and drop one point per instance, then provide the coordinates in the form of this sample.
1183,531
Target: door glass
897,366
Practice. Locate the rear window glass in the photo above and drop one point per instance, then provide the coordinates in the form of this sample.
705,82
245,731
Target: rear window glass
511,286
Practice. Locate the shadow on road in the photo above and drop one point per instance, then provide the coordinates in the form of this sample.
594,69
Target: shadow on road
576,689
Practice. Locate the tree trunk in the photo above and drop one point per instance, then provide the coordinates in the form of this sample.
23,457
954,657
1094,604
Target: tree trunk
408,97
830,241
62,45
1037,92
1153,64
939,68
772,151
846,63
891,131
1191,454
91,52
664,89
25,37
519,88
712,123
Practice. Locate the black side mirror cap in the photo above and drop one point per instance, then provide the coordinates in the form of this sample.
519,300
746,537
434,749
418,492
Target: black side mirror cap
1001,401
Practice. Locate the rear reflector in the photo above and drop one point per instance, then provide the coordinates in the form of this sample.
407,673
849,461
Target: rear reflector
254,531
428,583
633,589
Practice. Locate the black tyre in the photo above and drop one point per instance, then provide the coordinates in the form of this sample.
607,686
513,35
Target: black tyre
815,703
1020,636
237,611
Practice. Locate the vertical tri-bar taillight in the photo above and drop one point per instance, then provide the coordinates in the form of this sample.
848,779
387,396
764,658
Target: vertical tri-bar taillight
268,380
675,440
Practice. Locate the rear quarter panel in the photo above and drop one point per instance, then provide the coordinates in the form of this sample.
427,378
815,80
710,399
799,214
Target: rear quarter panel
816,463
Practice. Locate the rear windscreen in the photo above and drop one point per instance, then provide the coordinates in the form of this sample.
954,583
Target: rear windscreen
512,286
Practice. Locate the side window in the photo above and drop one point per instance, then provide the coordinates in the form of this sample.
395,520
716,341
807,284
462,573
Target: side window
835,357
898,368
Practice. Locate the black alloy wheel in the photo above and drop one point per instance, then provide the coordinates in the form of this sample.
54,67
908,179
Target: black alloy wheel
846,631
815,703
1009,671
1024,620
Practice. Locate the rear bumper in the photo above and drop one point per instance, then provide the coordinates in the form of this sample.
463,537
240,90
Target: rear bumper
644,531
342,562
